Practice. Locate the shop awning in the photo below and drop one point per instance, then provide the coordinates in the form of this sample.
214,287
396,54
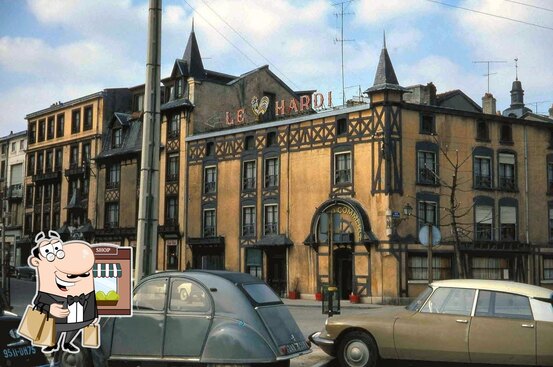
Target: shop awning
107,270
275,240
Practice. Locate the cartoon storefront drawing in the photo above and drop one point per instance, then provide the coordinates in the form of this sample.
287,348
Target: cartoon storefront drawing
112,279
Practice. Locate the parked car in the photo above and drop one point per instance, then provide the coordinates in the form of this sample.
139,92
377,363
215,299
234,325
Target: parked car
465,321
220,318
16,351
25,272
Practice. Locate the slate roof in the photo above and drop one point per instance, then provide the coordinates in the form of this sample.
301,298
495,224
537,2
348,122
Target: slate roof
385,77
443,97
176,103
274,240
131,140
192,59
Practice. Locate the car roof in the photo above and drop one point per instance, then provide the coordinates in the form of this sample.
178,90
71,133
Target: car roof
232,276
497,285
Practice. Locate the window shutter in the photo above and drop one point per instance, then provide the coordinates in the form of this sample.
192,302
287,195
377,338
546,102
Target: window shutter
505,158
508,215
484,214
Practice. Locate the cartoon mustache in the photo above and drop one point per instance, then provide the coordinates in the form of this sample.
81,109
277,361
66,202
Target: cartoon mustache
83,275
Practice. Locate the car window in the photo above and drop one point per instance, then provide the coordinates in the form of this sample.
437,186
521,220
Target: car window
150,295
188,296
261,293
452,301
505,305
418,302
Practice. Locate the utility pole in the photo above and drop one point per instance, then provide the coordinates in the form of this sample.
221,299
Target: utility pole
488,74
148,202
342,40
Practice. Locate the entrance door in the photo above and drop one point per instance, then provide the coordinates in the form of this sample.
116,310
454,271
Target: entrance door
276,271
343,272
208,258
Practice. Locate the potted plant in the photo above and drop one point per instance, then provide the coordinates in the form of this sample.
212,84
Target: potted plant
294,293
354,298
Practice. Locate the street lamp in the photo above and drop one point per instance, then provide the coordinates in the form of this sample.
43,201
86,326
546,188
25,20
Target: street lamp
394,218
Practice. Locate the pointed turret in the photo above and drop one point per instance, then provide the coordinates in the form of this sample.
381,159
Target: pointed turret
517,108
192,57
385,78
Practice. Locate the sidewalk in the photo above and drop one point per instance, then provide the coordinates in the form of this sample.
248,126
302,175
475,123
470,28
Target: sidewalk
313,303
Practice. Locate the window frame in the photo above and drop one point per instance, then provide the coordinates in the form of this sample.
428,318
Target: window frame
423,124
76,121
506,134
116,138
274,225
492,303
210,187
252,232
481,154
482,130
112,208
113,170
60,125
209,231
172,168
87,125
506,183
249,183
348,171
271,181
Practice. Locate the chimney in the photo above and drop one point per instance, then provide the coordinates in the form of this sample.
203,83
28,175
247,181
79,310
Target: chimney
551,111
488,104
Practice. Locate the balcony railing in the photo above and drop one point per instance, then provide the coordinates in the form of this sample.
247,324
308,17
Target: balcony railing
343,176
108,225
482,182
249,183
210,187
271,181
112,185
209,231
507,183
15,191
248,230
74,169
172,177
426,176
271,228
173,134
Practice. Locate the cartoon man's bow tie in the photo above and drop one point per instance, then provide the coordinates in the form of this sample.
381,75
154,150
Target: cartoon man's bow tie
73,299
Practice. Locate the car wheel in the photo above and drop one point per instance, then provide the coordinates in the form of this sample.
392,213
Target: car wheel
81,359
183,294
357,349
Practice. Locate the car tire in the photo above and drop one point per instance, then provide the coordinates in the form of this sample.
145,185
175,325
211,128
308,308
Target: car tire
357,349
81,359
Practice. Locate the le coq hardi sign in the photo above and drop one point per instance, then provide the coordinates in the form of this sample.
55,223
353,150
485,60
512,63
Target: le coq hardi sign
282,107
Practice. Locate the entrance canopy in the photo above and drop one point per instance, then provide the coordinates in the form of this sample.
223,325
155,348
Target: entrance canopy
273,241
344,219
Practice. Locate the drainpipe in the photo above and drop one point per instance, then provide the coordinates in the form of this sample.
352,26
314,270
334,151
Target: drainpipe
287,205
526,204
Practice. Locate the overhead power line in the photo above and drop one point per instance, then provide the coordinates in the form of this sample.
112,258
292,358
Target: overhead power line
221,34
491,15
529,5
249,44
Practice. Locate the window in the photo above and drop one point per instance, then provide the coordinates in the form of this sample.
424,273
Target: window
86,153
178,88
504,305
248,221
116,138
58,160
418,267
138,102
210,180
507,179
38,195
484,222
249,176
451,301
112,215
60,126
87,118
172,257
50,128
171,214
114,176
29,196
550,177
84,186
341,126
73,187
508,227
30,164
39,162
49,161
57,191
490,268
174,126
254,262
21,144
210,149
32,133
3,148
56,220
342,168
41,130
249,143
151,295
271,219
74,156
550,212
272,139
548,268
173,168
482,172
428,124
47,193
428,213
3,169
271,172
426,167
209,223
75,121
482,132
187,296
506,134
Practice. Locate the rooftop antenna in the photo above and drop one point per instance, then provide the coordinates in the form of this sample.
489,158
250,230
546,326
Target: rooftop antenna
536,105
342,40
488,74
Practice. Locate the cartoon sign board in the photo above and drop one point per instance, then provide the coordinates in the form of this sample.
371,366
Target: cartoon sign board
113,279
65,304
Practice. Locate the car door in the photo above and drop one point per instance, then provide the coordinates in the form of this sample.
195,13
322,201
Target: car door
142,334
189,309
439,331
503,330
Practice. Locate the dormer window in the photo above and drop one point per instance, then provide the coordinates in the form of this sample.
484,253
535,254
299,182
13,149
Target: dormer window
116,138
178,88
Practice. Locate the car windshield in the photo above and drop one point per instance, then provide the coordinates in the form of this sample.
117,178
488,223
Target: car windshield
419,301
261,293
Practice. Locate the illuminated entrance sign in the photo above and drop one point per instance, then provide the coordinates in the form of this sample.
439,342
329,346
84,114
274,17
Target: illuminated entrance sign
281,108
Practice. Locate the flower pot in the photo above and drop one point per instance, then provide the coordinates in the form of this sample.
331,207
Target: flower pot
354,298
318,296
293,294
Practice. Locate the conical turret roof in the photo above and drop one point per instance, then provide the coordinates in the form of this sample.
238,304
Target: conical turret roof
385,78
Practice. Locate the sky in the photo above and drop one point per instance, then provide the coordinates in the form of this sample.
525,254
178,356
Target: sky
58,50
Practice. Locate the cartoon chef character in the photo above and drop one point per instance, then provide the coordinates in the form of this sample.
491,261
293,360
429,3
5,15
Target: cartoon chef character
65,286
